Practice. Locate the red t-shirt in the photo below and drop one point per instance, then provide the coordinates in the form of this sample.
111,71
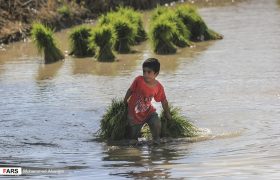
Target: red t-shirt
140,103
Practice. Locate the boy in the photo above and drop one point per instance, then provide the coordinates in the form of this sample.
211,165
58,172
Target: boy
138,98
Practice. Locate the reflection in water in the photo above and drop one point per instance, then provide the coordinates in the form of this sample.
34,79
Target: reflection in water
170,63
19,50
125,63
91,66
146,157
48,71
214,3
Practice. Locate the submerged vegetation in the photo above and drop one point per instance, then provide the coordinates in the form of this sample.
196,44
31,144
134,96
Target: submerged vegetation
114,124
45,43
79,40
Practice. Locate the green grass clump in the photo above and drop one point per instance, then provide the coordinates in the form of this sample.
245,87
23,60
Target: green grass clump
45,43
64,10
103,37
79,40
114,121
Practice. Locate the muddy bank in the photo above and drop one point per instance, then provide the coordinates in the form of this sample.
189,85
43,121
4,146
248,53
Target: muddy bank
16,16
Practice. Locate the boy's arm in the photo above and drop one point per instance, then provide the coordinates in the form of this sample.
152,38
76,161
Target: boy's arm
165,107
127,95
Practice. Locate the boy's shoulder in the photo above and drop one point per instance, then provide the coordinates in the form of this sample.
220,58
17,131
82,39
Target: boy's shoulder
138,78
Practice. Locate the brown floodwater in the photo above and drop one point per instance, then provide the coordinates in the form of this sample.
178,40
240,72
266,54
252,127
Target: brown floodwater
231,87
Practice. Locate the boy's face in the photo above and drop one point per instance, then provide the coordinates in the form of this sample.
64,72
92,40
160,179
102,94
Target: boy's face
148,74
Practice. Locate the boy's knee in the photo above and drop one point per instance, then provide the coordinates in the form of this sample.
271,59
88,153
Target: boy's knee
154,120
155,126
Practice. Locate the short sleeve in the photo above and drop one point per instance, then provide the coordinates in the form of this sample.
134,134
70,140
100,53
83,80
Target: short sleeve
160,96
134,84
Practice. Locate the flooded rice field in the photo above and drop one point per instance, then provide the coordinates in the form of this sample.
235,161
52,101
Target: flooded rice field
49,113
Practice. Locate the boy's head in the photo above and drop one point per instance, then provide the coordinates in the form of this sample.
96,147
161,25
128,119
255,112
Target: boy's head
151,67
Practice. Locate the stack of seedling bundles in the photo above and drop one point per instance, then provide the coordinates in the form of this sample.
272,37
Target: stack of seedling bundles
114,124
127,27
177,27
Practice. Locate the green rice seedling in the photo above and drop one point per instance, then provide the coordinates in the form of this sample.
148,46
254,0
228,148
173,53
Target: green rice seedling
105,19
135,18
161,35
212,35
114,122
196,25
103,37
160,10
125,34
178,126
79,40
45,43
129,15
64,10
181,37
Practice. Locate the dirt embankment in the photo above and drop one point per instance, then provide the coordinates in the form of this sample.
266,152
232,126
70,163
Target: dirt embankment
16,16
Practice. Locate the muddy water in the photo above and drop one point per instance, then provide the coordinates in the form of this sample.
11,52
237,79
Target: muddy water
48,113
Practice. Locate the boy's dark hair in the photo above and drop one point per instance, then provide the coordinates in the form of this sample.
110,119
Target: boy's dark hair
152,63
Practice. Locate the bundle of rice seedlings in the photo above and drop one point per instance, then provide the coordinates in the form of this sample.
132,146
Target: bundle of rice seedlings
135,18
45,43
79,39
105,19
178,126
161,34
160,10
125,34
181,37
103,37
114,124
114,121
132,17
199,30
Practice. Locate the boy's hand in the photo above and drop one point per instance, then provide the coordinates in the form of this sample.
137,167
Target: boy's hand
168,116
125,102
